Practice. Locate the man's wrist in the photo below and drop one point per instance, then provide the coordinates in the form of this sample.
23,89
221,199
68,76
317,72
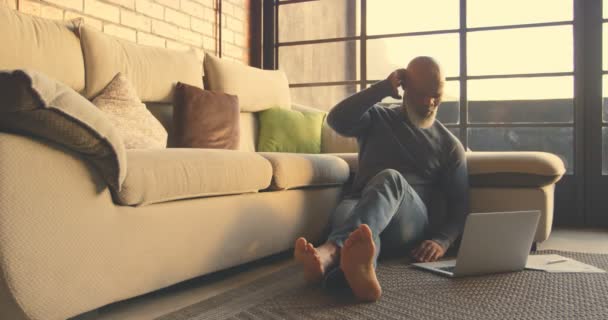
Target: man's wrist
384,88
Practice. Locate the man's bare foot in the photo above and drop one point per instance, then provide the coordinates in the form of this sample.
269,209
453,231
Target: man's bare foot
315,260
356,262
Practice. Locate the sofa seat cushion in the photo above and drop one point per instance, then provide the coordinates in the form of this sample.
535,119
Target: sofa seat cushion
293,170
514,169
155,176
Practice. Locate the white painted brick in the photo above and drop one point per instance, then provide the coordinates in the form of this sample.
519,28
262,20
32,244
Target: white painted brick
192,8
92,22
71,4
207,3
234,24
11,4
227,35
120,32
177,46
169,3
125,3
102,10
190,37
49,12
134,20
239,39
164,29
30,7
149,8
177,18
209,44
209,15
200,26
239,13
227,8
150,40
232,50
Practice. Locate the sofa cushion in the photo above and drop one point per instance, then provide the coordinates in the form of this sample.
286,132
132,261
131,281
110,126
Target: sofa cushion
138,128
249,130
283,130
292,170
43,45
152,71
205,119
35,105
514,169
171,174
257,89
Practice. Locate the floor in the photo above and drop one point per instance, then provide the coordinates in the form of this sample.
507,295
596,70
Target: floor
164,301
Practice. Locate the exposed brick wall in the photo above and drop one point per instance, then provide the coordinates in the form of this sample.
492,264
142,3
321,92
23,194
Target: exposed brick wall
173,24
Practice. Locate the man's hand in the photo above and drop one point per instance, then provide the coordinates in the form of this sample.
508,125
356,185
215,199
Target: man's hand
428,251
396,79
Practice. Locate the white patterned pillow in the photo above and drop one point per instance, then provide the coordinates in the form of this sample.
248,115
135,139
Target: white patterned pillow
138,128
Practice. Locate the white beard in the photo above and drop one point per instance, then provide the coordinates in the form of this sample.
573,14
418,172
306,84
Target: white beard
417,120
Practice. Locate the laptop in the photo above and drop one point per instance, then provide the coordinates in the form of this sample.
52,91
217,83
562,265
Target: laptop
493,242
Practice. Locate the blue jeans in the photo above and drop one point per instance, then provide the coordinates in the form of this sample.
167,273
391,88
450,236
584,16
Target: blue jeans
393,211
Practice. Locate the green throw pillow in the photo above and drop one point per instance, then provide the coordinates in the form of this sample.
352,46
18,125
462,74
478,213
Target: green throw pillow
284,130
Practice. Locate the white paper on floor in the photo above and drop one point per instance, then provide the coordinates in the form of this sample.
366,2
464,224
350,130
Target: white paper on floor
558,264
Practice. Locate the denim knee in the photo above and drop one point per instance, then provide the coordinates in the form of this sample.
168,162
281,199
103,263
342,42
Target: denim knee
392,176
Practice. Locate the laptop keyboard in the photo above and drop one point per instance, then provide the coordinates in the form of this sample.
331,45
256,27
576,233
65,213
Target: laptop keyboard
448,269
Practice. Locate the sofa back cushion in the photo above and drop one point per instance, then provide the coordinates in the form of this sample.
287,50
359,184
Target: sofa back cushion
152,71
257,89
43,45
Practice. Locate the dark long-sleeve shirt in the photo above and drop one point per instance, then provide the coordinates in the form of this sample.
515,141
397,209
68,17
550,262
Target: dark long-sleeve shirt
432,160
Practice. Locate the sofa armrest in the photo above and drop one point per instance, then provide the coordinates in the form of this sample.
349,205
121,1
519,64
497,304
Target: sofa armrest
514,169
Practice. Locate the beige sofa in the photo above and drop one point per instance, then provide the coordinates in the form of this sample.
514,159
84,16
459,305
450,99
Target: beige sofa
68,246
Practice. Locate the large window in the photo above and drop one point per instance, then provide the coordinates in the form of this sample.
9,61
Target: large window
605,90
509,64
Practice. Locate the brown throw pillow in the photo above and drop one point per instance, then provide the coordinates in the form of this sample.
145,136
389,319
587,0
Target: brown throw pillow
205,119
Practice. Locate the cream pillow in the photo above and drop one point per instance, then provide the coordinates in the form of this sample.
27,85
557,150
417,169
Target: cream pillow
138,128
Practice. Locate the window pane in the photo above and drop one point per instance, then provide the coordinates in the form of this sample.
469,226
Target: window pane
605,4
449,110
323,98
456,132
605,46
555,140
605,99
513,100
321,62
317,20
483,13
386,55
528,50
399,16
605,151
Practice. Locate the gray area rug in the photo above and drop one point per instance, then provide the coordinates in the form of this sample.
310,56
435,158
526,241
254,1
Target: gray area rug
410,293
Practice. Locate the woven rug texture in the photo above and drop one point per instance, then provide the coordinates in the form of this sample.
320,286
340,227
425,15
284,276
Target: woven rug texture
410,293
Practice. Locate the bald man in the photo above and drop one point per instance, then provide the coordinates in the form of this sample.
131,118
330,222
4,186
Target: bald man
405,156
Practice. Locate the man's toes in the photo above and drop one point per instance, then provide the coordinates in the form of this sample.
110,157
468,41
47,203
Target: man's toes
365,231
300,243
